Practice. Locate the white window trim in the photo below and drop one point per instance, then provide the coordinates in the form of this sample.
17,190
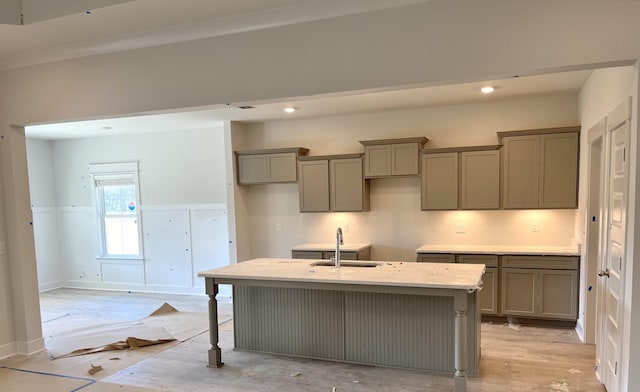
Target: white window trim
115,171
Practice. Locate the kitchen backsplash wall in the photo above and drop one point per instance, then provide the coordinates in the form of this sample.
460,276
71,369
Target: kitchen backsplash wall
396,226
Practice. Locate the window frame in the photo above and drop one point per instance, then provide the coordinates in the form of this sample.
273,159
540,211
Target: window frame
127,171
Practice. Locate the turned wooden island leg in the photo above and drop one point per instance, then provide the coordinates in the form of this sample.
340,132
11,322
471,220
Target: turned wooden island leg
460,306
215,353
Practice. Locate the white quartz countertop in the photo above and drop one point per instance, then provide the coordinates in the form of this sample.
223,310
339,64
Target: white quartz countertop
501,250
388,273
327,247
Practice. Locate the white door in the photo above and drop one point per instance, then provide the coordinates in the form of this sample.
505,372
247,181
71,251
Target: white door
613,268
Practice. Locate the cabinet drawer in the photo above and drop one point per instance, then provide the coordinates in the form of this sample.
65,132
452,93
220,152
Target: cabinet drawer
346,255
436,258
489,260
542,262
303,254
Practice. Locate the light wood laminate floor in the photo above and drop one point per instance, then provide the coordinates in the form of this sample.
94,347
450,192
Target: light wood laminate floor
514,358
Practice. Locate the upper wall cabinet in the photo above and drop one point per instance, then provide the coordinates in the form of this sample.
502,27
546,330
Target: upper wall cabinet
333,183
461,178
540,168
392,157
268,166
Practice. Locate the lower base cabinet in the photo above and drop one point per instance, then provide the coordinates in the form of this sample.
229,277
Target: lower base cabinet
545,287
537,287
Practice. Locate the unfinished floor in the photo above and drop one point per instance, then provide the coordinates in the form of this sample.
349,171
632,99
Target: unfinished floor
514,358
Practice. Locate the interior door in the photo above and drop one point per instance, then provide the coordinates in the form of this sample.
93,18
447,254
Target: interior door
612,274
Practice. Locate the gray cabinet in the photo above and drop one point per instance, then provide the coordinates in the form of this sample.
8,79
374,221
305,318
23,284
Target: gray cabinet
268,166
540,168
392,157
333,183
363,254
488,296
435,258
480,179
461,178
439,190
539,287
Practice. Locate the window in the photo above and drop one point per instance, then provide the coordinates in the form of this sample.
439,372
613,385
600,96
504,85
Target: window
116,201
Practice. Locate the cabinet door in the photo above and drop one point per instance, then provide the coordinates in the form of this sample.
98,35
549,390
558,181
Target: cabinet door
314,186
439,181
558,291
282,167
518,292
488,296
436,258
377,160
347,185
520,171
404,159
480,180
558,171
252,169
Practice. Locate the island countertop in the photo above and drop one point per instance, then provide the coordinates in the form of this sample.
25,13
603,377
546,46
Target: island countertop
388,273
327,247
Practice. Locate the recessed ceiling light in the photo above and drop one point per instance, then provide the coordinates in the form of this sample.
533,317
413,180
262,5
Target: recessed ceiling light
289,110
487,89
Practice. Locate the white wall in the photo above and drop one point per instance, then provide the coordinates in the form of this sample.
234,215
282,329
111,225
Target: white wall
605,90
45,214
183,208
395,225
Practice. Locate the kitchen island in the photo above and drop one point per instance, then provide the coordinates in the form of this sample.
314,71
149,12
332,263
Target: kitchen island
409,315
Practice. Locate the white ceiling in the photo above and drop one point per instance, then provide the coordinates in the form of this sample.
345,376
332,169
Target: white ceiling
69,30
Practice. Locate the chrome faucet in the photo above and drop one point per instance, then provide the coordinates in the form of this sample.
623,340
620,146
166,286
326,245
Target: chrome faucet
339,242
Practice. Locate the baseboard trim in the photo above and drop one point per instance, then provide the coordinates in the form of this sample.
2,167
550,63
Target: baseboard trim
31,347
50,286
8,350
72,284
580,330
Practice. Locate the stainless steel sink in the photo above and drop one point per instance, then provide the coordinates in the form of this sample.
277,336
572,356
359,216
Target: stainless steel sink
345,264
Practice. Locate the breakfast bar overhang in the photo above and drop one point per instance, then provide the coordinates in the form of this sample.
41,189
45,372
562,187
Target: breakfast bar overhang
402,314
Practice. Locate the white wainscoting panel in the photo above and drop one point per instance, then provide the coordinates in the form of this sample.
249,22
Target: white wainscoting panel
47,241
209,241
166,247
79,246
122,272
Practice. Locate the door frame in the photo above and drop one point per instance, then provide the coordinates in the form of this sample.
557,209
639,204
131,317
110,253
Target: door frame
596,215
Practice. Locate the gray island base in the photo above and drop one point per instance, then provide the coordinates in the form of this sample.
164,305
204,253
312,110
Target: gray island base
421,316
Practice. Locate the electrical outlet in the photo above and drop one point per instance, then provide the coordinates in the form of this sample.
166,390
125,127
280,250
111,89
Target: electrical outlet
461,228
345,227
535,227
278,227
